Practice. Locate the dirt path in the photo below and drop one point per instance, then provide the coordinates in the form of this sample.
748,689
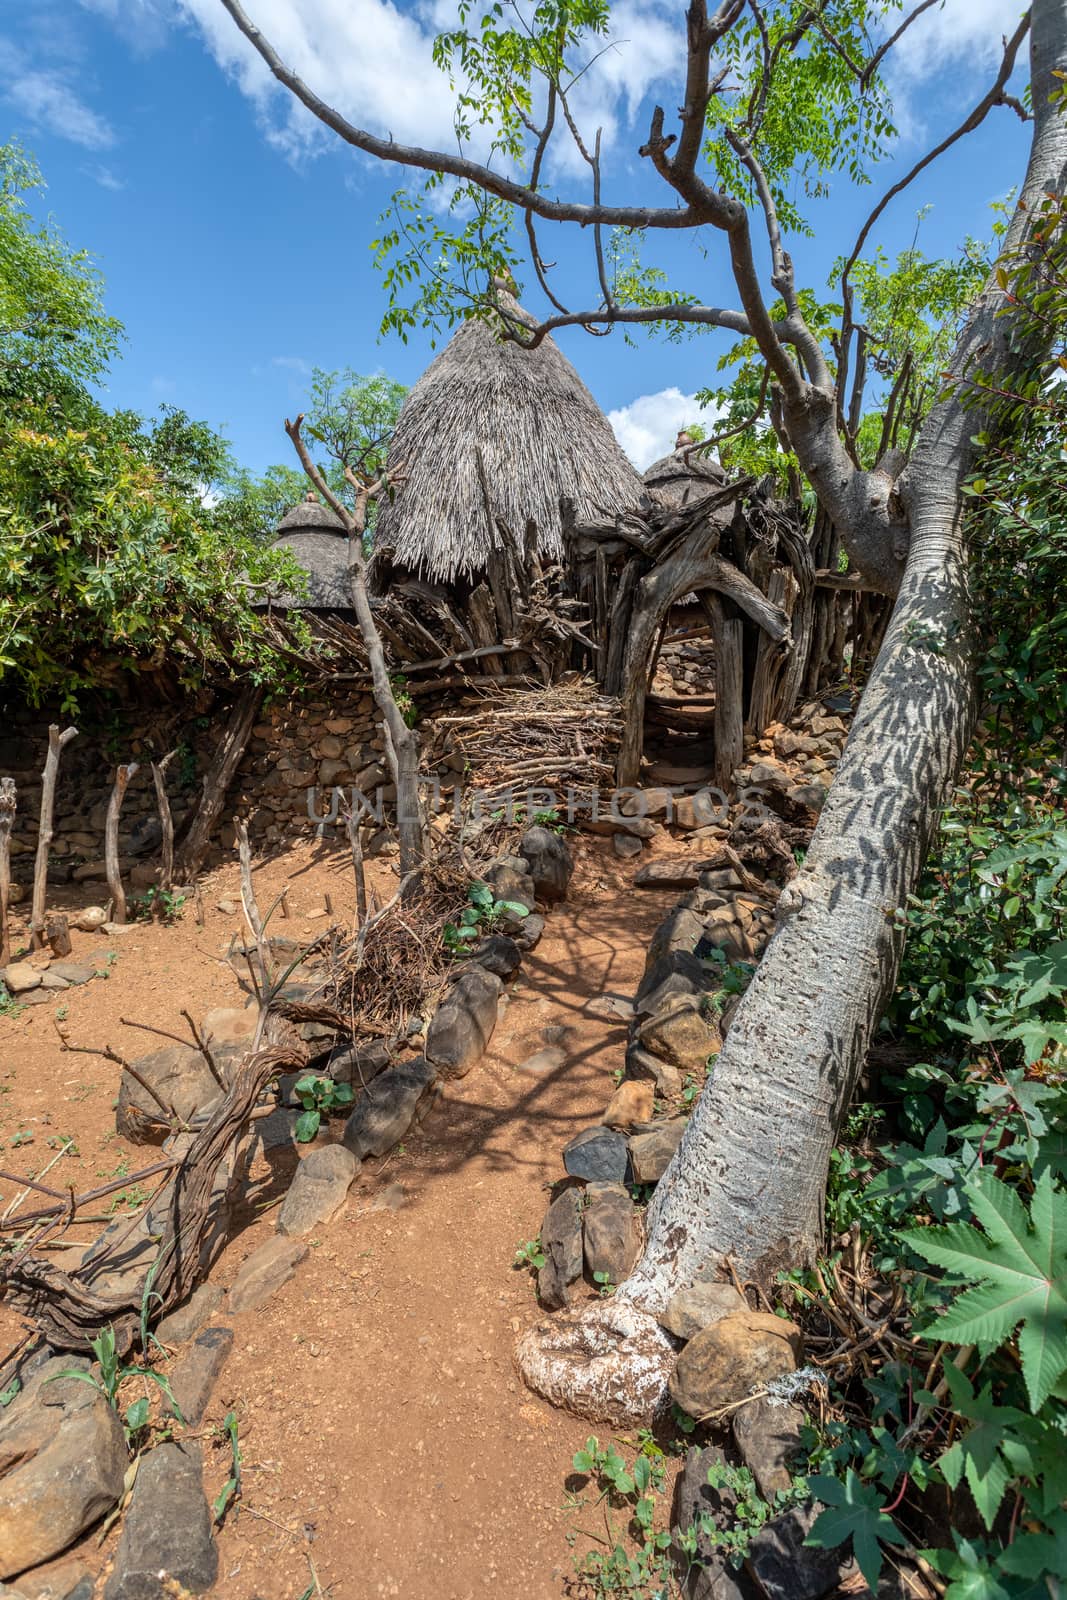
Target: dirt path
389,1448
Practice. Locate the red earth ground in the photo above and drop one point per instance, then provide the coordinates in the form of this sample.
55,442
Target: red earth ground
389,1446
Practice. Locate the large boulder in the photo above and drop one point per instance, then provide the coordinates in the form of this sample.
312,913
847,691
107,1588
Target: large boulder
264,1272
548,861
725,1362
652,1150
561,1245
509,880
633,1102
166,1533
681,930
698,1505
183,1080
769,1438
387,1109
62,1464
464,1021
699,1306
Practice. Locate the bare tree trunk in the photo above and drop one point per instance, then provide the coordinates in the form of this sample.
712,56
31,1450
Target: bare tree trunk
112,866
166,821
401,743
8,807
57,742
218,778
57,933
749,1177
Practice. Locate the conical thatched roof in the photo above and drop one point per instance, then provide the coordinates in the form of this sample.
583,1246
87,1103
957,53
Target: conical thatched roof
540,435
316,537
310,513
681,478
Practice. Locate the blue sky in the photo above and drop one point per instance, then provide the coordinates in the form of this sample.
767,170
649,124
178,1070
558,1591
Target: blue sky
234,234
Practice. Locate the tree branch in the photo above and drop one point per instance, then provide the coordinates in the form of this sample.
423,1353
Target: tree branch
455,166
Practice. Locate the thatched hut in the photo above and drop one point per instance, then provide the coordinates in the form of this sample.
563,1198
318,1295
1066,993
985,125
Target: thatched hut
684,477
493,431
315,536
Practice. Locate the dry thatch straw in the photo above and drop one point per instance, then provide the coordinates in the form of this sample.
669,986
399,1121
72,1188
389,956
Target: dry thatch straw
540,435
682,479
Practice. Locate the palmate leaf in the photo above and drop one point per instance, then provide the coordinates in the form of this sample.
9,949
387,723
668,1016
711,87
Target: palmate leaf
978,1453
854,1511
1019,1268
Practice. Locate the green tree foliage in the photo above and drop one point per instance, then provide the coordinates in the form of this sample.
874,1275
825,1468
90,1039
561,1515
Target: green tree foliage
112,556
961,1206
51,297
351,418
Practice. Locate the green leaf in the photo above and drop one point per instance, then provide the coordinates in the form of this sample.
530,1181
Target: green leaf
137,1415
307,1126
1039,1555
854,1510
1019,1267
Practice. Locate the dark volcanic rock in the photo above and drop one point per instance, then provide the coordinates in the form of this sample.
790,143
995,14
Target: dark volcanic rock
598,1155
561,1242
464,1021
548,861
166,1530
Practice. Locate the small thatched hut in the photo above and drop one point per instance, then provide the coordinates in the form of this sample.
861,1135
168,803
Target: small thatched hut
316,537
684,477
494,431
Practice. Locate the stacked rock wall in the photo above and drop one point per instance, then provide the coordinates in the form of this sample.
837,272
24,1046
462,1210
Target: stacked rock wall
300,741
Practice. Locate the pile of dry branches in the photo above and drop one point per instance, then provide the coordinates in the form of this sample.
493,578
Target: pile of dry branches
565,734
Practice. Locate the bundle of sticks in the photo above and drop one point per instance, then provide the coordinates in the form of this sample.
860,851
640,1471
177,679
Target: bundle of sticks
565,734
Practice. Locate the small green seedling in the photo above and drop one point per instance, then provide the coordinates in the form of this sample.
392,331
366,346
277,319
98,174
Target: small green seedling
230,1492
112,1373
319,1096
530,1254
481,916
605,1287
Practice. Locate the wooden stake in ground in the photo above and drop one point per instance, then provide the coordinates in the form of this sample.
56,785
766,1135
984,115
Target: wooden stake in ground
123,774
166,821
57,742
8,806
218,777
57,933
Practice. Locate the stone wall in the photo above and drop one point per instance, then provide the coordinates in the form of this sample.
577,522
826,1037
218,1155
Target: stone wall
299,742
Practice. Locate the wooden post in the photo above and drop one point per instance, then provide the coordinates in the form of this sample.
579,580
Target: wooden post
57,742
112,869
166,820
57,932
727,632
357,867
218,778
8,806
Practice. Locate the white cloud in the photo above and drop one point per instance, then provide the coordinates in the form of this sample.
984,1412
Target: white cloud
966,35
105,177
48,102
958,31
647,427
293,364
373,62
366,58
